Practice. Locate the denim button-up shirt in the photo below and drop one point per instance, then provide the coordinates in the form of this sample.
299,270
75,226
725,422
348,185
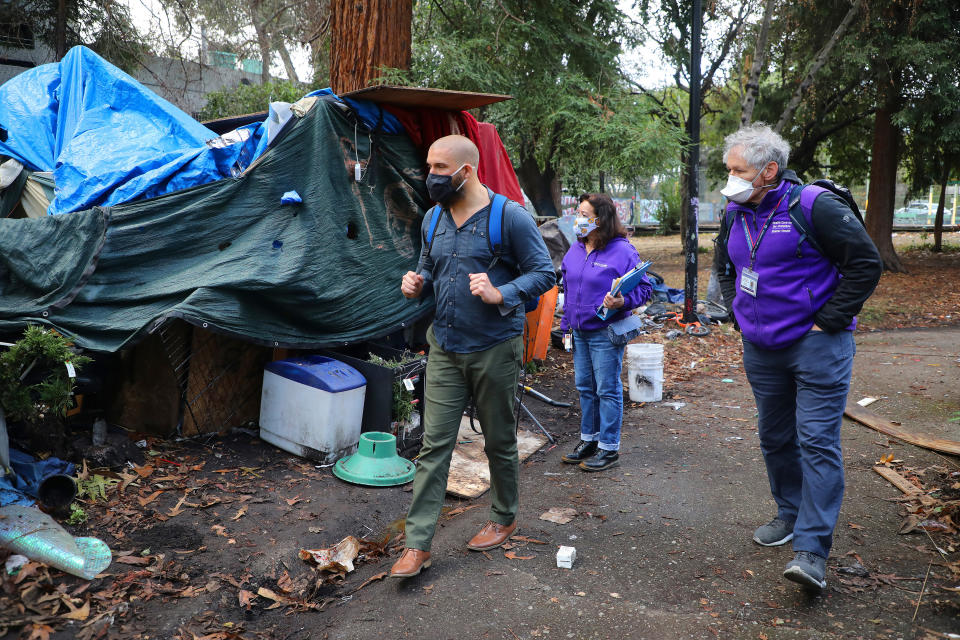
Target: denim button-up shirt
463,323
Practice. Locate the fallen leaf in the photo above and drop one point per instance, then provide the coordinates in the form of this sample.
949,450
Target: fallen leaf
855,526
134,560
39,632
293,501
240,513
220,530
379,576
559,515
77,613
526,539
285,582
144,471
513,556
150,498
246,598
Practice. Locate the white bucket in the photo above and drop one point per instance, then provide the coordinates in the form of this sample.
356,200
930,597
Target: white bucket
645,371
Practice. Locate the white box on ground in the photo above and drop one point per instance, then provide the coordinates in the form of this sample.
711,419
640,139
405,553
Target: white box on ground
566,556
312,407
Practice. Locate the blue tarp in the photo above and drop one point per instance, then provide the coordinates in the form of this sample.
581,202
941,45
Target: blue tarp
20,487
107,138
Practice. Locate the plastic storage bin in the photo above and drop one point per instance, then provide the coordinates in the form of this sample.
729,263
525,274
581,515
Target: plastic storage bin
312,407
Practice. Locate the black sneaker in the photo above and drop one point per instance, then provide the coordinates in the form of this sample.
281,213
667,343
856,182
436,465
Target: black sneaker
603,460
583,451
808,569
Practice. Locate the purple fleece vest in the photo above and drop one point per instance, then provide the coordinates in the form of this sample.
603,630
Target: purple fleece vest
791,289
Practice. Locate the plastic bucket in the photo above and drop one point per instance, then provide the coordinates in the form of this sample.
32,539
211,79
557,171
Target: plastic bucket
645,372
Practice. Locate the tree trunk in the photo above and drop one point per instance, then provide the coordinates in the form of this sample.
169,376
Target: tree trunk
60,29
938,221
541,186
759,55
883,185
366,36
822,56
287,62
263,39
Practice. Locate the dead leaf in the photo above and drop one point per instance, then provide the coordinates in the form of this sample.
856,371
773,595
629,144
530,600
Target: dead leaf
150,498
240,513
246,598
77,613
513,556
220,530
134,560
526,539
293,501
853,525
560,515
285,582
40,632
144,471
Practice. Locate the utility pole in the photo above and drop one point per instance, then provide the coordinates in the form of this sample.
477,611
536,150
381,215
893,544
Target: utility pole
691,244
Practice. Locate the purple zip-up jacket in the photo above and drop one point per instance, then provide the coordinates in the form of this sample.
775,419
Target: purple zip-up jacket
587,279
791,289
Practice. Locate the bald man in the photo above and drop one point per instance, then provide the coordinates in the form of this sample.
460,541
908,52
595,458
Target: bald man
475,341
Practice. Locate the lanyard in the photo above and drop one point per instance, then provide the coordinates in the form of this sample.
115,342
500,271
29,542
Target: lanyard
746,232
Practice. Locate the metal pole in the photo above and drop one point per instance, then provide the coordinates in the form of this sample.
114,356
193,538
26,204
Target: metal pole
693,169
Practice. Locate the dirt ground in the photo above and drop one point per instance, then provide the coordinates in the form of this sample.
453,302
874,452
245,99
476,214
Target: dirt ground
206,533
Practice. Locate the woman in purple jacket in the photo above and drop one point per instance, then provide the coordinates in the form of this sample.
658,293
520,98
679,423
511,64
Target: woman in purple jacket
602,254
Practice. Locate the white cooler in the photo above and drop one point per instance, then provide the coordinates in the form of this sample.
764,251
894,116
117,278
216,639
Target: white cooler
312,407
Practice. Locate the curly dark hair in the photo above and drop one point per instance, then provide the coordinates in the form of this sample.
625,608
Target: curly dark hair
608,223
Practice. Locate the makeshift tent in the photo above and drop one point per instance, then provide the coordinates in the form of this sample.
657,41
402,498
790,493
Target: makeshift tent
228,256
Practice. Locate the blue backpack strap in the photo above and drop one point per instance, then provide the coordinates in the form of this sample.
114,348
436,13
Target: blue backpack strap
495,226
434,214
801,204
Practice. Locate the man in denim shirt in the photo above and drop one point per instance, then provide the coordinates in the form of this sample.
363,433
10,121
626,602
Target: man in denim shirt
475,341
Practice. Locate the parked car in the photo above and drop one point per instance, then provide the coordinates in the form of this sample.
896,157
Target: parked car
914,213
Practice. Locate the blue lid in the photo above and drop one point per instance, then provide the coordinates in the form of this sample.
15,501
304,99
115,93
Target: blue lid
319,372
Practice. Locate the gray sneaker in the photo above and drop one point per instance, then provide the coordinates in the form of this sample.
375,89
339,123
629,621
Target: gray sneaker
808,569
774,533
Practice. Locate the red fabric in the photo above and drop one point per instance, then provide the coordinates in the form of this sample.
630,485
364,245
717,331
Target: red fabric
496,170
424,126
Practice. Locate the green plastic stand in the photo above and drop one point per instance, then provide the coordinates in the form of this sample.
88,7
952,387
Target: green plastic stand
375,463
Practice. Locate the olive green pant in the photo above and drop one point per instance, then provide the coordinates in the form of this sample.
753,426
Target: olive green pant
490,378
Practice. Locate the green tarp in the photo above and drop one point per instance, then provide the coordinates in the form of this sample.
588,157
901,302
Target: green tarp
228,257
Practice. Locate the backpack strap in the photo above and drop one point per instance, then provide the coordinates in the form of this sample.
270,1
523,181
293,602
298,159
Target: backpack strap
802,198
435,213
495,228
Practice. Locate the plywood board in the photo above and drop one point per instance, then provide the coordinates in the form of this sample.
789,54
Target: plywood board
872,420
422,97
469,473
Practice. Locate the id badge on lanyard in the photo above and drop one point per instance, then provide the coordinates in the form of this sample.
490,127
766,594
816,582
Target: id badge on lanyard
749,280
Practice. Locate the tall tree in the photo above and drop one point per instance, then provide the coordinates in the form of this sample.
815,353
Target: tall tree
367,37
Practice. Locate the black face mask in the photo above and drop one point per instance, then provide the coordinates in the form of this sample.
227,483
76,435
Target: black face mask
441,189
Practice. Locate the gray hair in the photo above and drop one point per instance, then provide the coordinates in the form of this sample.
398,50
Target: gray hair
761,146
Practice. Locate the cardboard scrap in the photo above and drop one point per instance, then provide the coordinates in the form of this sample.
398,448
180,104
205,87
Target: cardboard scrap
469,470
560,515
338,558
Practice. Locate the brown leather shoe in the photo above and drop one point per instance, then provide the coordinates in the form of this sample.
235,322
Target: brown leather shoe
411,562
492,535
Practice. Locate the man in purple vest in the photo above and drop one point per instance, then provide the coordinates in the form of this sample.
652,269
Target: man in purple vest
796,309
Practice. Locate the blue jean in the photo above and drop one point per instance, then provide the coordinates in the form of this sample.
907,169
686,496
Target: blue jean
597,363
801,392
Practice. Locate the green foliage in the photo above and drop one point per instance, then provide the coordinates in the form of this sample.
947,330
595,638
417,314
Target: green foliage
102,25
571,112
40,355
402,408
249,98
671,206
77,515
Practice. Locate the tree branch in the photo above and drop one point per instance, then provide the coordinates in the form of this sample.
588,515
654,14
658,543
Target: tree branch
818,62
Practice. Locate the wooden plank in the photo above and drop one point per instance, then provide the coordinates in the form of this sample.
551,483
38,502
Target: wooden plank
423,97
878,423
897,480
469,474
903,484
